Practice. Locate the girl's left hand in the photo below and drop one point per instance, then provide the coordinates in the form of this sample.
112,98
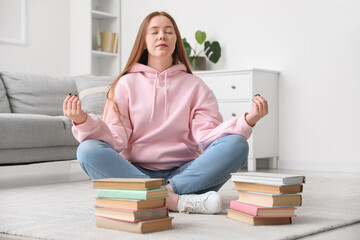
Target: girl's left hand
259,110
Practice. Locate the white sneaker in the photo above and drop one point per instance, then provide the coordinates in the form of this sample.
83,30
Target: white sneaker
209,202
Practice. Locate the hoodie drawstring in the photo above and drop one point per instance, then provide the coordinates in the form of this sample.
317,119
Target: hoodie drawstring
154,99
166,110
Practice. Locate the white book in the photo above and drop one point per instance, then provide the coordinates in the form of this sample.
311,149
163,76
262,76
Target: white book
271,194
267,178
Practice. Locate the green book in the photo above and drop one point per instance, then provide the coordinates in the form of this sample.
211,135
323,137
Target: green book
161,192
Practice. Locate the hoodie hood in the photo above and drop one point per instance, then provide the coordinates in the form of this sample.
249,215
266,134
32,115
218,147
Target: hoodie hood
153,74
141,68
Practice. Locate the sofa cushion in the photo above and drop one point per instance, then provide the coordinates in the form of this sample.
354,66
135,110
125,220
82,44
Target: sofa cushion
37,94
34,130
92,92
4,102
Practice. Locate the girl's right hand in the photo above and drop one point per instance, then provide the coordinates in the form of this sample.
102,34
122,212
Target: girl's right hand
72,109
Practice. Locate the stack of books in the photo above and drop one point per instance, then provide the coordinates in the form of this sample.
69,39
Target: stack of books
266,198
132,204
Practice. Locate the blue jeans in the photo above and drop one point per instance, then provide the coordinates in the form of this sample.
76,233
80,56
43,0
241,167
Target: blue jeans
208,172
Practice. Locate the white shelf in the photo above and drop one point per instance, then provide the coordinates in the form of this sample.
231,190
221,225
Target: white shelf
102,15
86,18
96,53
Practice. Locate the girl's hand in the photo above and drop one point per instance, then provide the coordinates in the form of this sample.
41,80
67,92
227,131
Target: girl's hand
259,110
72,109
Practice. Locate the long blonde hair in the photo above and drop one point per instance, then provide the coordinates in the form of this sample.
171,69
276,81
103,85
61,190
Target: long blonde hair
140,55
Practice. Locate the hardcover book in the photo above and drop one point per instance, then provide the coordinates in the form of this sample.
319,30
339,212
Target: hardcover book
253,220
260,211
255,187
130,203
270,199
128,183
138,227
267,178
133,194
131,215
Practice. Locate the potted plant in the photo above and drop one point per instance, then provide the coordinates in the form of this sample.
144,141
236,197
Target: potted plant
212,50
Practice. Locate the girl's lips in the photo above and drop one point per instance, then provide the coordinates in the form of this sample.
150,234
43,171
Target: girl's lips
162,45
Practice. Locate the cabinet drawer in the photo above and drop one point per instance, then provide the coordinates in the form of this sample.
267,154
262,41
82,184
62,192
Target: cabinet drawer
230,86
233,109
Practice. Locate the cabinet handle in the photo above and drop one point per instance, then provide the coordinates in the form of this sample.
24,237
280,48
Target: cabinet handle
233,114
233,86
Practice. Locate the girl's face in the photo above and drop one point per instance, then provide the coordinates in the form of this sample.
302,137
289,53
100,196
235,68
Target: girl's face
160,37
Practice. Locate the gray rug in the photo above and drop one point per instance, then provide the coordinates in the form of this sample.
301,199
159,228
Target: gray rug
65,211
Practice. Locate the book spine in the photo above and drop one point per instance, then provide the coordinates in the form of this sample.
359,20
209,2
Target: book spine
245,208
266,180
130,210
258,181
122,194
126,220
126,193
115,44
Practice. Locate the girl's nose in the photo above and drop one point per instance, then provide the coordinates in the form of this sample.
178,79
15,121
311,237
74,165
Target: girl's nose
162,35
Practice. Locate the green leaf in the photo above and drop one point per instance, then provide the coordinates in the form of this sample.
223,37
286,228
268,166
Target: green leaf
187,47
200,36
212,51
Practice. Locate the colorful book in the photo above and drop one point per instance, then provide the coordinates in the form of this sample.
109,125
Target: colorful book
255,187
270,199
267,178
130,203
138,227
131,215
254,220
128,183
260,211
161,192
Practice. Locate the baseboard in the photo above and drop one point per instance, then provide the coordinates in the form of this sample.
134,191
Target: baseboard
41,173
351,167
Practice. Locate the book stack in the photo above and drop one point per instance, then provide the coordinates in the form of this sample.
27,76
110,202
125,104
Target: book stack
109,41
132,204
266,198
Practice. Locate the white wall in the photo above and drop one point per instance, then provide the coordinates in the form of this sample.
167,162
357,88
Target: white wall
314,43
316,46
47,48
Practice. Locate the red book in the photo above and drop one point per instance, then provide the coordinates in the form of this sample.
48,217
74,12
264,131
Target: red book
260,211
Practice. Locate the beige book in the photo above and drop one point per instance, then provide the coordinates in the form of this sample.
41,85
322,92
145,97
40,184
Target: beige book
253,220
245,186
138,227
132,215
270,199
115,43
106,38
128,183
130,203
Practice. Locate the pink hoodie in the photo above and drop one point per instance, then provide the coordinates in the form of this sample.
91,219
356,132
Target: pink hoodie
168,118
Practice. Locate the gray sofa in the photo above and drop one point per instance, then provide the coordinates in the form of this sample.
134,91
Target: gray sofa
32,125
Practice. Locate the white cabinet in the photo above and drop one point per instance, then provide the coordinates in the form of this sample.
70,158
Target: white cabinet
234,91
86,17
